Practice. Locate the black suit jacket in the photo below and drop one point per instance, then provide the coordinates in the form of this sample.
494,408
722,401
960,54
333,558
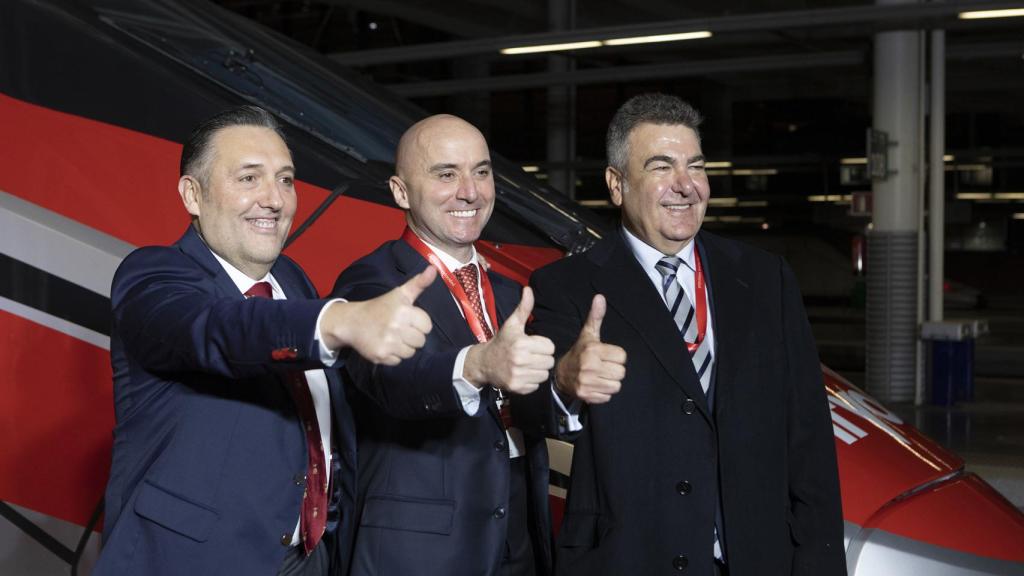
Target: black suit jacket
434,482
646,468
209,452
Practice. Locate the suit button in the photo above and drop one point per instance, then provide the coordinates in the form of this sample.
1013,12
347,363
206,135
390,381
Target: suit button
689,406
499,513
286,539
680,562
499,446
299,479
684,487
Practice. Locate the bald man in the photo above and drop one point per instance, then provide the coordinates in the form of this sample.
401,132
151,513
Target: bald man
449,484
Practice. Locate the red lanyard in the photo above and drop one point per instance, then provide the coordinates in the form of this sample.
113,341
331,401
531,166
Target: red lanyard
455,287
702,302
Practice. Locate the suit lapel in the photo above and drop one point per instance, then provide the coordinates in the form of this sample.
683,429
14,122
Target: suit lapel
731,313
436,299
628,290
194,247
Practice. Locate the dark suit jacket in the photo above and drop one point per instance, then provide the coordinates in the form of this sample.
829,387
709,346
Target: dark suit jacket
643,490
209,454
434,482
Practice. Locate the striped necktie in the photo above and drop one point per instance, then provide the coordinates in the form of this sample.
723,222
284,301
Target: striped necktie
685,317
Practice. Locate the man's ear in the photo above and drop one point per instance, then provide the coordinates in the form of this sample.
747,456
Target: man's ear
188,188
614,179
399,191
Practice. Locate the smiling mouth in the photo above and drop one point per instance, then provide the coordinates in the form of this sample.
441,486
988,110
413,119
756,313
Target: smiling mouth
263,223
676,207
462,213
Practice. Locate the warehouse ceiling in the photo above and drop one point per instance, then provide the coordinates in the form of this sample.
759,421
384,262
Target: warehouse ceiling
786,86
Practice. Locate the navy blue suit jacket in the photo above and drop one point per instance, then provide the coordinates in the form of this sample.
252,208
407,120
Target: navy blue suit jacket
432,478
209,454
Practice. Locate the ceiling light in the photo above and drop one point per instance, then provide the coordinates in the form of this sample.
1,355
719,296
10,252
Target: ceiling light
753,204
657,38
755,172
552,47
725,164
531,168
948,158
979,14
1009,195
725,201
1018,216
974,196
852,161
595,203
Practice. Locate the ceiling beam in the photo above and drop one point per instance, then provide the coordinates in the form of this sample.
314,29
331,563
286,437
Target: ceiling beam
912,16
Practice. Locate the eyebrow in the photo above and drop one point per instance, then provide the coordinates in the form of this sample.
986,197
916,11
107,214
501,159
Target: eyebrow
451,166
671,160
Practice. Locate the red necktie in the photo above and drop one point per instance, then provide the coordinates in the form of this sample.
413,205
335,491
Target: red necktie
470,283
313,517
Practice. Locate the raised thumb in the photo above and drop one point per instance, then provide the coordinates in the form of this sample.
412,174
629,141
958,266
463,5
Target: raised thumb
592,327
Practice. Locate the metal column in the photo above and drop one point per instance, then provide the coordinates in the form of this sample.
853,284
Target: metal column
561,107
893,242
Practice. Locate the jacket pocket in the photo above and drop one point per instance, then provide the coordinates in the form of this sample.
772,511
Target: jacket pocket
411,514
174,512
580,531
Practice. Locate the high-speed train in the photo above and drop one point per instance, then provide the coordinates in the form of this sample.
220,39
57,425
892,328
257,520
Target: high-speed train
96,97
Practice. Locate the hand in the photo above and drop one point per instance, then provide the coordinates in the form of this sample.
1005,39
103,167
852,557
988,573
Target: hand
592,370
384,330
512,360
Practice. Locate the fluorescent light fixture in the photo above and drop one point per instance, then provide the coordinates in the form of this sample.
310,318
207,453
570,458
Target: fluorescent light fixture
852,161
724,201
733,219
540,176
948,158
531,168
753,204
725,164
1018,215
829,198
711,219
717,172
551,47
1009,195
974,196
658,38
967,167
595,203
755,172
979,14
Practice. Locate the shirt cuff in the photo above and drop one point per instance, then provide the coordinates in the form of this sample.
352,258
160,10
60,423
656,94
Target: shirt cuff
568,417
327,356
468,394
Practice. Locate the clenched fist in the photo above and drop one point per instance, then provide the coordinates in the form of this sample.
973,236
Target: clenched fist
384,330
592,370
512,360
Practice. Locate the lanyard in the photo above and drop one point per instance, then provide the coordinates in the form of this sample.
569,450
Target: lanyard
702,302
455,287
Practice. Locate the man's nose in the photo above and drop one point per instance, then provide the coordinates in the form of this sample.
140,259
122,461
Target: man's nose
271,195
467,190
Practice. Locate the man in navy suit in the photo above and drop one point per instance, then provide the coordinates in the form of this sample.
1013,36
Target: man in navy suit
449,484
234,450
706,444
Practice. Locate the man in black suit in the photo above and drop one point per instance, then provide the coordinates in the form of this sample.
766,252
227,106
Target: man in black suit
706,445
449,485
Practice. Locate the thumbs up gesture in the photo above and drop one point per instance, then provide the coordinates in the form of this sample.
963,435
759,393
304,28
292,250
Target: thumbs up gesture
592,370
512,360
385,329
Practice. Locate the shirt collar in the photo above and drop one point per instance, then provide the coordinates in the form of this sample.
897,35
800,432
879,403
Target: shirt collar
450,262
243,282
648,256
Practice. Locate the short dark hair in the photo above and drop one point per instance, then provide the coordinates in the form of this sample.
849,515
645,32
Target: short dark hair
651,108
195,156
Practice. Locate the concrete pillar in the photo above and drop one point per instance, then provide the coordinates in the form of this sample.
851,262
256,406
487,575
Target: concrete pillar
892,275
561,107
937,177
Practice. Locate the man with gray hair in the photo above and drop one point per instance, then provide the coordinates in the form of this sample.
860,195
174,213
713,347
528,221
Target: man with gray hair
703,443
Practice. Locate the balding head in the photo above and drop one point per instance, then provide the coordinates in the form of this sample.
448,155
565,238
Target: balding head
444,182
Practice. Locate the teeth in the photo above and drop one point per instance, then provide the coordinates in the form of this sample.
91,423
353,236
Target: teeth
677,206
264,222
463,213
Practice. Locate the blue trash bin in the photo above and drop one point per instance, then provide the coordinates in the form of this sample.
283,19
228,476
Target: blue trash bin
951,370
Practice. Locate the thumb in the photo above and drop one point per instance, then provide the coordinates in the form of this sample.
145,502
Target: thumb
592,327
415,286
517,320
